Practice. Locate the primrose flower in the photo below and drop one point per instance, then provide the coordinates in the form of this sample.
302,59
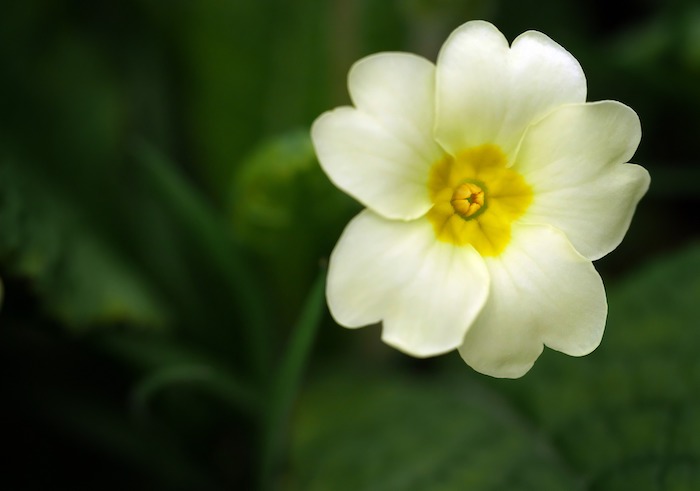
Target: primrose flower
490,186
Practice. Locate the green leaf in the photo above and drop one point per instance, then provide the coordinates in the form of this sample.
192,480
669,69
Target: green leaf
222,105
287,212
217,258
625,417
161,455
221,384
280,190
363,431
49,238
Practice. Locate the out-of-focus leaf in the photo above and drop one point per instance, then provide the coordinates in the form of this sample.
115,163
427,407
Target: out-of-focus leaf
671,36
158,453
654,66
217,382
629,412
224,53
625,417
266,198
47,237
218,261
362,431
284,388
285,209
245,81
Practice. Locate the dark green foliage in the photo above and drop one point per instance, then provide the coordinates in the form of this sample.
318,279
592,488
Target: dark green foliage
163,230
626,415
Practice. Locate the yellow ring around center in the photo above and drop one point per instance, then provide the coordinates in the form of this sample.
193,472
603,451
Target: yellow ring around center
466,213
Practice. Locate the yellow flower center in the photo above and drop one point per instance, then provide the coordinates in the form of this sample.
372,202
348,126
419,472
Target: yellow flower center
467,199
476,199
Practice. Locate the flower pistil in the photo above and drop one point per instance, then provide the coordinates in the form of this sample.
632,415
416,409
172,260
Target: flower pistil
468,199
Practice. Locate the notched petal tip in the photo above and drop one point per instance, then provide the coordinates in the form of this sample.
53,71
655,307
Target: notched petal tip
426,292
506,369
643,178
575,159
543,292
501,364
476,28
418,350
489,91
381,150
623,122
368,161
386,71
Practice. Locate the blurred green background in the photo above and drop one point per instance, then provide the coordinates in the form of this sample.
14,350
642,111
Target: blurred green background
163,232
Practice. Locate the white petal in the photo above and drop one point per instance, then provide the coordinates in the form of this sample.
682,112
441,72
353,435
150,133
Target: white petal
542,291
488,93
398,90
427,292
574,161
381,152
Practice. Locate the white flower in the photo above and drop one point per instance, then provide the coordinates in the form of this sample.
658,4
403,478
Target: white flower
490,186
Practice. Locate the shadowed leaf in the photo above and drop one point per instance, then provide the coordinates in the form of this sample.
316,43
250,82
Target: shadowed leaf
625,417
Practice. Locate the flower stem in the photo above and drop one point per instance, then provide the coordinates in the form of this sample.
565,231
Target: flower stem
285,384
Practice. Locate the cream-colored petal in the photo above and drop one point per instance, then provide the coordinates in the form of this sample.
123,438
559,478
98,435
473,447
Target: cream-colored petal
381,151
574,159
542,291
426,292
398,90
489,93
